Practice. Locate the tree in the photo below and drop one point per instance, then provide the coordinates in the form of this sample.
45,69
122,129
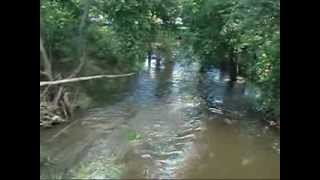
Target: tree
244,34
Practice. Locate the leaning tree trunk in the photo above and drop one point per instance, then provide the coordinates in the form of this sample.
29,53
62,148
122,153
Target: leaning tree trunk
47,64
81,54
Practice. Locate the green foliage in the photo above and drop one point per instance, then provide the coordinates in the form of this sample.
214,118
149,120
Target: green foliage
115,32
103,44
246,29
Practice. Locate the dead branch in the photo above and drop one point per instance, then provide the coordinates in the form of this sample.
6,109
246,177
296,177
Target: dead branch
45,83
68,104
44,92
58,96
45,74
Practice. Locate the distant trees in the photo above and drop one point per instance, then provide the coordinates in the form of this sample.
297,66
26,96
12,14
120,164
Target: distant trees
245,36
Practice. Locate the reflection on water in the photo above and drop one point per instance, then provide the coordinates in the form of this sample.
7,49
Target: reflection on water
158,126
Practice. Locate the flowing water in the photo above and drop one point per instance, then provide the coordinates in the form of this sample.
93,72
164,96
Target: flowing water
161,124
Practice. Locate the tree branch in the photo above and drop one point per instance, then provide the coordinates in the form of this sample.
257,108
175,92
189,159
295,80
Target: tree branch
45,83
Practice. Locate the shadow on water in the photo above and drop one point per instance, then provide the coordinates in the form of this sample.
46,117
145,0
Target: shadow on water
158,125
163,82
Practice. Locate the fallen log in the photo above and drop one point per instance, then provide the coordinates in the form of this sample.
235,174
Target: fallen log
63,81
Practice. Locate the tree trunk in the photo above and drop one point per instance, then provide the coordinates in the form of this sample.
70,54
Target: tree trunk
149,57
158,62
46,61
158,59
223,66
233,67
81,55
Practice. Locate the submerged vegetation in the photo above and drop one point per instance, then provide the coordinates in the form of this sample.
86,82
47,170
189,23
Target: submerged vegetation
99,169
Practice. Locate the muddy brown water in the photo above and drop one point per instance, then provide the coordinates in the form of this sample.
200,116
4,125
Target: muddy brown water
159,126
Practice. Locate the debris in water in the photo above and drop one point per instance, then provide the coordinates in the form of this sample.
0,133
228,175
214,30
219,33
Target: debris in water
272,123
